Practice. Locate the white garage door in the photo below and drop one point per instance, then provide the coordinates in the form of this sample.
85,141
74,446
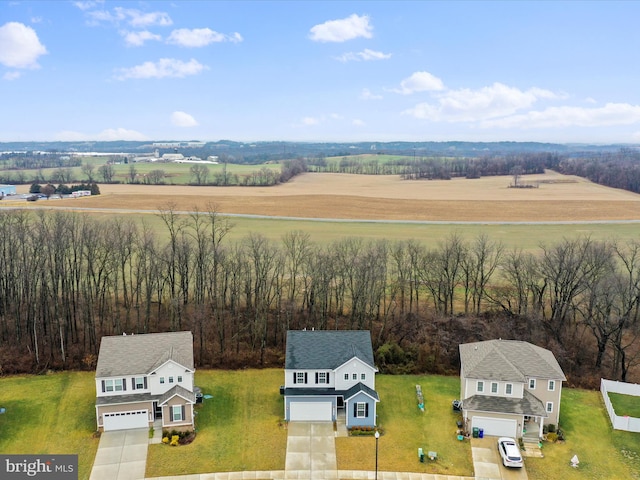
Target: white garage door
496,427
125,420
310,411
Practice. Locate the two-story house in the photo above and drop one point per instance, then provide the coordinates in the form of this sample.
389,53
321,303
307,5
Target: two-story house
141,378
327,372
509,387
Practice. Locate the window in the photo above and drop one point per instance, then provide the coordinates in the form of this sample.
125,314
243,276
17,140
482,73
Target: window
354,376
361,410
321,377
552,385
549,407
161,380
114,385
139,383
532,384
508,389
363,376
177,413
299,377
480,387
494,387
179,378
346,376
170,379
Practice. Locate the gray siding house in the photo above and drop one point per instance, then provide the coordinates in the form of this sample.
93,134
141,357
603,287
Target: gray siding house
328,373
509,388
143,378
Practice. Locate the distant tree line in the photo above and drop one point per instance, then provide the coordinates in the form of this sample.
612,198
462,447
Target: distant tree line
619,169
436,167
68,279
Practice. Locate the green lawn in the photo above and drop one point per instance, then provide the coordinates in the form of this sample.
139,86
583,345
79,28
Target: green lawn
406,429
603,452
240,428
50,414
625,404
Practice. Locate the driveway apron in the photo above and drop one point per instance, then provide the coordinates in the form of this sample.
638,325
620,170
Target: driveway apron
311,451
122,455
487,463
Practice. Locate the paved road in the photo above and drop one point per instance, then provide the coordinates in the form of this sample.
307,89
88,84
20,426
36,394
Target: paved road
335,220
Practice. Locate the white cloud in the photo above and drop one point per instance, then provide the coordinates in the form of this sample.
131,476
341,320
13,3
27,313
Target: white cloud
357,122
85,5
20,46
133,17
11,76
200,37
163,68
310,121
354,26
183,119
110,134
137,39
367,95
590,100
419,82
567,116
36,19
365,55
466,105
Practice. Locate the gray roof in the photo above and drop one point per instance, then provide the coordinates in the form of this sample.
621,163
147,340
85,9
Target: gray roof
129,398
318,349
332,392
527,405
177,390
508,360
141,354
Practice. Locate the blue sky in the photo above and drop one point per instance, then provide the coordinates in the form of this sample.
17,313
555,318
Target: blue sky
320,71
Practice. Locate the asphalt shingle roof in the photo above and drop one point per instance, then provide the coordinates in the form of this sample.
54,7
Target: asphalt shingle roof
527,405
318,349
508,360
141,354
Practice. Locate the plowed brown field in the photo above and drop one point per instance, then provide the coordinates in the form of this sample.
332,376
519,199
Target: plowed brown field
558,198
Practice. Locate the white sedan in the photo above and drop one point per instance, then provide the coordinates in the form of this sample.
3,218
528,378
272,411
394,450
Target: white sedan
509,452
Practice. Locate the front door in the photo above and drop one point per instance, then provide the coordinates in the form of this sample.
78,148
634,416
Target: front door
157,411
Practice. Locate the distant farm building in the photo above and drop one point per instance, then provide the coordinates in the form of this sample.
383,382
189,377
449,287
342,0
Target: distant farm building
7,190
81,193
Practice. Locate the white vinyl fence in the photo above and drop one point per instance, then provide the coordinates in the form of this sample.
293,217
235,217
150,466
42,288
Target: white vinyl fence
630,424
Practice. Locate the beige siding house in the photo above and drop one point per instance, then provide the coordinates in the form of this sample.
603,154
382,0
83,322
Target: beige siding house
509,388
144,378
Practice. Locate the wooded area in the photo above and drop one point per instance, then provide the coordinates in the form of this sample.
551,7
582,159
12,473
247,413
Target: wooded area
68,279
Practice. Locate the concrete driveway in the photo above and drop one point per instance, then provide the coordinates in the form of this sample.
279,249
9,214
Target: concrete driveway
122,455
311,451
487,464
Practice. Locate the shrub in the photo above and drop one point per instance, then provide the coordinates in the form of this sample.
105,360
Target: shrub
165,440
174,440
551,428
560,435
552,437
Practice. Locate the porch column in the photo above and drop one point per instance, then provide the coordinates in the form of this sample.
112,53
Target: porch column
541,427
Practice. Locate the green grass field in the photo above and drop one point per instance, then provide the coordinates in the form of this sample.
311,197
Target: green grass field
240,428
50,414
526,237
625,404
177,173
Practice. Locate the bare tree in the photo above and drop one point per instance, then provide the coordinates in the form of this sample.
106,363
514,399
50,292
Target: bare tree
200,173
107,171
88,169
133,174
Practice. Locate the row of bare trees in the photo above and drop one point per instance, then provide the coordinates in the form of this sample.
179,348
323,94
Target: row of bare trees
68,279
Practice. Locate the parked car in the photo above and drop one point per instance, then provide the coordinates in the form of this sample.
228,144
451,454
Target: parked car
509,452
32,198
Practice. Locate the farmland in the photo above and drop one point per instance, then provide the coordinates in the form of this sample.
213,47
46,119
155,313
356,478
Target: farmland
503,213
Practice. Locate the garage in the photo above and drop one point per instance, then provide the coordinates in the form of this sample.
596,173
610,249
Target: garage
310,412
495,427
125,420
